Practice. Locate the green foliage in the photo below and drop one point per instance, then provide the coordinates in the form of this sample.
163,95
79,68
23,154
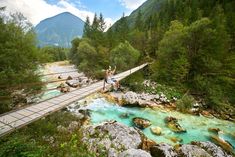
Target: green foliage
53,54
185,103
89,60
124,56
18,56
134,81
95,31
122,30
197,55
20,145
191,41
87,29
172,49
73,50
34,140
169,91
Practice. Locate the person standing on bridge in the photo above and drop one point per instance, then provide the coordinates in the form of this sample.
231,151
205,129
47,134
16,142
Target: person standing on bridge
109,77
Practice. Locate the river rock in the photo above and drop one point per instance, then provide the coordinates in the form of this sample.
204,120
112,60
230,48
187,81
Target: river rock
213,149
141,100
146,83
69,78
214,130
124,115
175,139
131,97
111,135
63,89
147,144
156,130
134,153
163,150
73,83
141,123
173,124
225,145
188,150
206,114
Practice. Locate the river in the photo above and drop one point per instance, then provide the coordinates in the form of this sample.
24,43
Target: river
196,126
103,110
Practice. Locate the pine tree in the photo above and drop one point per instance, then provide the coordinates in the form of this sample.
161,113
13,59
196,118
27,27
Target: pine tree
122,29
87,28
102,24
95,24
138,22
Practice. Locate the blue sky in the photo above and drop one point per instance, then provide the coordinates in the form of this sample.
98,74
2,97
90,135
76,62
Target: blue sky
109,8
37,10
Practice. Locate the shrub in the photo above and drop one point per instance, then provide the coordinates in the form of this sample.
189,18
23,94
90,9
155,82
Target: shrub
185,103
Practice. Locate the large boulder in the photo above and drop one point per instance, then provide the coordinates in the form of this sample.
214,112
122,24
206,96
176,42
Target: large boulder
188,150
111,137
173,125
213,149
141,123
134,153
141,100
131,98
163,150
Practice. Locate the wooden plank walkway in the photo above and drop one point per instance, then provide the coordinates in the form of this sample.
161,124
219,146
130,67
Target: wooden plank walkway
14,120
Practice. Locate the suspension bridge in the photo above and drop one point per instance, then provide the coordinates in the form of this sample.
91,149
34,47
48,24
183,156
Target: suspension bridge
14,120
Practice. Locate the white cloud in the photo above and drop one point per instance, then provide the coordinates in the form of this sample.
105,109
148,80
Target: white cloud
132,4
37,10
109,22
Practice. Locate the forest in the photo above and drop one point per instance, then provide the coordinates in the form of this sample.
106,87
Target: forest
190,44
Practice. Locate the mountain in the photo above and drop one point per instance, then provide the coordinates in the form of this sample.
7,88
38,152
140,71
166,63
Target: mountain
147,9
59,30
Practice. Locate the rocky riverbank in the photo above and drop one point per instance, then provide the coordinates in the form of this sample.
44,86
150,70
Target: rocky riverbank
133,99
114,139
117,140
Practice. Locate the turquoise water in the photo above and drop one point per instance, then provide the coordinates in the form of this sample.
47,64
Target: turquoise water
197,127
50,94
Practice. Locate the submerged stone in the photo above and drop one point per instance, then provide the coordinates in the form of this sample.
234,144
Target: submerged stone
141,123
173,125
224,144
175,139
214,130
156,130
124,115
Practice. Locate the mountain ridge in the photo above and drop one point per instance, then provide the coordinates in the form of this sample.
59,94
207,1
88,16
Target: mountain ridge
59,30
150,5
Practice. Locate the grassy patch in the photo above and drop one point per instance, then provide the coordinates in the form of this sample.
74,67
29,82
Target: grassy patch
42,139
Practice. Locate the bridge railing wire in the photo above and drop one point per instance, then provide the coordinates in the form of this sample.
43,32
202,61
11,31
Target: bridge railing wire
61,80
